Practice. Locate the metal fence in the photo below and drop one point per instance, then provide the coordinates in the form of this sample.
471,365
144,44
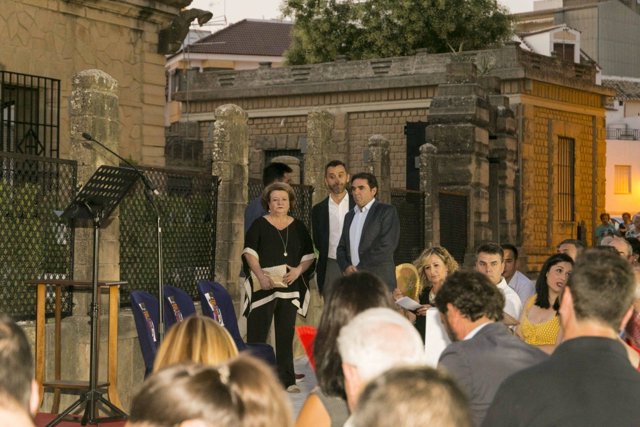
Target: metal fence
188,210
34,242
623,133
410,207
303,204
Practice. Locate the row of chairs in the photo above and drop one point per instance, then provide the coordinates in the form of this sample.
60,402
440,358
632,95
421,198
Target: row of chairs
215,302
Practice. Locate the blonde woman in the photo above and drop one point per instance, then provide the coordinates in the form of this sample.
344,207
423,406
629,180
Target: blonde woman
242,392
433,265
197,339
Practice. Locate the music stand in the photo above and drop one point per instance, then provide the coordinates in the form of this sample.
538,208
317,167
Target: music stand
96,201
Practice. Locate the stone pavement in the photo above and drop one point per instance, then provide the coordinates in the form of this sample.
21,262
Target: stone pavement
306,384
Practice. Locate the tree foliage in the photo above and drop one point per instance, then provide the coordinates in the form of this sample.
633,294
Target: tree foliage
325,29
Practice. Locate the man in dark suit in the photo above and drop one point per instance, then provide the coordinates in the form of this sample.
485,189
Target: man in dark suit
370,234
327,220
588,380
484,351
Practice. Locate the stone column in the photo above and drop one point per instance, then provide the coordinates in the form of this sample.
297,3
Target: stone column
429,185
93,108
379,164
459,118
321,149
229,156
503,148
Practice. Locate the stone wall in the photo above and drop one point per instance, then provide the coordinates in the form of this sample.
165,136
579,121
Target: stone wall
493,141
390,124
58,38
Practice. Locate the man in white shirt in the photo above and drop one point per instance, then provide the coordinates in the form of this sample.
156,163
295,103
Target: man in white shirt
524,287
327,219
490,262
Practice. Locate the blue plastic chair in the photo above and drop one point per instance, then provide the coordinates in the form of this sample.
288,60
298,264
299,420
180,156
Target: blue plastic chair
216,303
178,305
145,314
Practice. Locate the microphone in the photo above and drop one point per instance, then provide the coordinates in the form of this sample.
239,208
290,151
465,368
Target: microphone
147,183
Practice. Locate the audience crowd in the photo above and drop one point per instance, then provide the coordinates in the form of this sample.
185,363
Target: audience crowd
560,350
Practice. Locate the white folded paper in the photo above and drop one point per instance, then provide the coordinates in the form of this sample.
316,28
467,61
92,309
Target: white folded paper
408,303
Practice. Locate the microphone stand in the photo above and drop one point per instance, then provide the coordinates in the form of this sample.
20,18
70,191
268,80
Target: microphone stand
149,191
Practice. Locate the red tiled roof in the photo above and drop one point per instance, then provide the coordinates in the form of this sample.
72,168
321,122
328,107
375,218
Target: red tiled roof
625,89
247,37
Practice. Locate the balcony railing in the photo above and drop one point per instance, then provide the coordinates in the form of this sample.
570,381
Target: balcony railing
626,134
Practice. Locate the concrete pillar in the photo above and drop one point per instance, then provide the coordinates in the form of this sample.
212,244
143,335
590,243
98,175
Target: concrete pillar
379,164
321,149
429,185
229,155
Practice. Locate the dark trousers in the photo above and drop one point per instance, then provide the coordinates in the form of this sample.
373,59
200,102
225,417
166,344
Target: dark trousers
283,313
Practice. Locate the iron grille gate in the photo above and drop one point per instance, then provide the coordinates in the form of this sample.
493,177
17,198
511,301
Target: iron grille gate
454,213
410,207
188,210
34,242
29,123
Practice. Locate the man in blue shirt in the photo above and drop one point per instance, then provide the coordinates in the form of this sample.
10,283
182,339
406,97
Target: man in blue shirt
275,172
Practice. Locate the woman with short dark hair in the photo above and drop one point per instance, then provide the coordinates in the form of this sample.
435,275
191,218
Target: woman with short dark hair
277,252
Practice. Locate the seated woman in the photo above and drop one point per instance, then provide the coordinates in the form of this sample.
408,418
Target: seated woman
433,264
539,322
196,339
327,405
242,392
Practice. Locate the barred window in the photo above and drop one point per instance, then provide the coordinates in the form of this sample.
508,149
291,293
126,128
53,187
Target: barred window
30,114
622,179
565,173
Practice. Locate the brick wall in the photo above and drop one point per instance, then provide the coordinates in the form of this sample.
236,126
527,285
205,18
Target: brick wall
541,229
389,124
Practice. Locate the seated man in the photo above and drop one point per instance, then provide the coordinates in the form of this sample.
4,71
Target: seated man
484,351
524,287
588,380
490,262
571,247
19,395
372,342
412,397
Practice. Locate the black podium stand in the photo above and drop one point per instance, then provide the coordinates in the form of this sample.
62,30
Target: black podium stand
96,202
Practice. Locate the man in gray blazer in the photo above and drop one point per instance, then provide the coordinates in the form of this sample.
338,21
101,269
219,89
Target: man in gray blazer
484,352
370,234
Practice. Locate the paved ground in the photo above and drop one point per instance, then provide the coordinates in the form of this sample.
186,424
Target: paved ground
306,384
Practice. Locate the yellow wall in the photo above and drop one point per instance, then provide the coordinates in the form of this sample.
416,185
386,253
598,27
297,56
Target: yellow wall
58,38
549,113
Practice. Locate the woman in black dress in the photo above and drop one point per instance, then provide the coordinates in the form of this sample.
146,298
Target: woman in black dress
277,241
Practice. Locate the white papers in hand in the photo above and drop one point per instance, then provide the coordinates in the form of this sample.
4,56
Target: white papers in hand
408,303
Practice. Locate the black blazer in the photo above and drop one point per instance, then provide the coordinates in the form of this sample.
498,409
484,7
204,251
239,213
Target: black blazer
379,240
320,231
587,381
